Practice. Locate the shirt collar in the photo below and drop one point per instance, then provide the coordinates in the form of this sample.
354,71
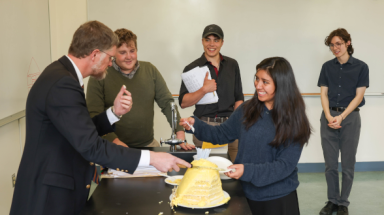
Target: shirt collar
350,60
203,60
131,74
78,73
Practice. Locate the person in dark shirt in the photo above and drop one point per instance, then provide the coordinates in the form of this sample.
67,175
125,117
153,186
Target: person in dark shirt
225,81
343,81
272,129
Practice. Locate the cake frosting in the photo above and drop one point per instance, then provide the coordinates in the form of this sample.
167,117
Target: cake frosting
200,187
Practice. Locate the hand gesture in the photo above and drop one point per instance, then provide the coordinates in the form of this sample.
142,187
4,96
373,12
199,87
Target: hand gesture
236,174
122,103
166,162
184,122
209,85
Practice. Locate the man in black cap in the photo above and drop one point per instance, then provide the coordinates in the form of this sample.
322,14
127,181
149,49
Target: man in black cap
225,81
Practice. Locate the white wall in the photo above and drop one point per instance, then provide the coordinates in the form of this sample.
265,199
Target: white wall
169,33
67,16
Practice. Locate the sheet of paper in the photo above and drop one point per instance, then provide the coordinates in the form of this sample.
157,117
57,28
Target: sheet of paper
148,171
194,80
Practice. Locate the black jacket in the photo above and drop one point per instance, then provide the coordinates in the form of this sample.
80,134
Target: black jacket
62,143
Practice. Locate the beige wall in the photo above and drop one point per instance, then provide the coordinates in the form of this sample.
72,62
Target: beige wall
10,155
65,18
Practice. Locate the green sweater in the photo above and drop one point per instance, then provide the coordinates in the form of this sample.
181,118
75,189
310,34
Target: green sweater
147,85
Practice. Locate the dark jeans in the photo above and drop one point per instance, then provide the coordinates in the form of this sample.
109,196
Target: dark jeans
286,205
344,140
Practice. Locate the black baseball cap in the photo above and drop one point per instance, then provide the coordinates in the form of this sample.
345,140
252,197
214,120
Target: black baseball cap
213,29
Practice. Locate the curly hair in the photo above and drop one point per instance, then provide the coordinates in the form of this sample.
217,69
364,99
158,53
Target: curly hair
90,36
125,36
344,35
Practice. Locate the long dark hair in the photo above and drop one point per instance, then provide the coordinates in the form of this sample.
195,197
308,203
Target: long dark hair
288,111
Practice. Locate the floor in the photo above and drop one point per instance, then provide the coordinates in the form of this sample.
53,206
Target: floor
367,196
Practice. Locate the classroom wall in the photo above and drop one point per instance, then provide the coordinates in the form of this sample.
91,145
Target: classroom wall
66,16
12,136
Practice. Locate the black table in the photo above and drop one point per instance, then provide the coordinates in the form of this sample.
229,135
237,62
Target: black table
142,196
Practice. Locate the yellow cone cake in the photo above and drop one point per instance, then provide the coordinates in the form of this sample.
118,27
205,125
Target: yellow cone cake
200,187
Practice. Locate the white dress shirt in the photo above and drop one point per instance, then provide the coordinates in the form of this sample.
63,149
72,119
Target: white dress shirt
145,155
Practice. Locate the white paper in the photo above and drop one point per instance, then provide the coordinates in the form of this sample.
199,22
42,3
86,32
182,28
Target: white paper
194,80
145,171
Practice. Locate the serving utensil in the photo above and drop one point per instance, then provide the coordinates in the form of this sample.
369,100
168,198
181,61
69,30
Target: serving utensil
208,167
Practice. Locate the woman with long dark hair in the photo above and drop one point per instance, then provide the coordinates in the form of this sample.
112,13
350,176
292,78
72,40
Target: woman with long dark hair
272,129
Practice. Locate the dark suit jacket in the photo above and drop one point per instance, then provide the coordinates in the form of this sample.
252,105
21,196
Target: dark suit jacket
61,142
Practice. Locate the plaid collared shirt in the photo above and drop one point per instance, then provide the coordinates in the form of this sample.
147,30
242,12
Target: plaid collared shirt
130,75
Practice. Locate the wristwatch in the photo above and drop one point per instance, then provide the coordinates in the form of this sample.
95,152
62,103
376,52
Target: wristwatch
119,117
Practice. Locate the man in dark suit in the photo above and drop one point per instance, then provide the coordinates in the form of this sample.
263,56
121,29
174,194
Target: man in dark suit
62,141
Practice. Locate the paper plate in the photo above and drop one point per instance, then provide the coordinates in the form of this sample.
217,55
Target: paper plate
170,180
222,163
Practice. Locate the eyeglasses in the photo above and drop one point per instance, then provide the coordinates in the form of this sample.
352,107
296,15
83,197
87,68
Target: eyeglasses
336,45
111,58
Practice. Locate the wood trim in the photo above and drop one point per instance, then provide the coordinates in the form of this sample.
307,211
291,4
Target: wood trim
251,94
304,94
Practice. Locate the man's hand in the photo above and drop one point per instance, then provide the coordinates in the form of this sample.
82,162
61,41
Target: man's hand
209,85
119,142
186,146
164,161
122,103
238,173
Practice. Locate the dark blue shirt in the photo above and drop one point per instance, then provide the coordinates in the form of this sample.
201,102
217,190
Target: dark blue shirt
269,173
342,80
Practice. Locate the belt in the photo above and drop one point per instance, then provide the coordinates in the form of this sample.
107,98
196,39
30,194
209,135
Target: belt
214,119
342,109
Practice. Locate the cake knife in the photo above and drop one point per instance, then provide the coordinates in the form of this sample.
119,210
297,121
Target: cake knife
208,167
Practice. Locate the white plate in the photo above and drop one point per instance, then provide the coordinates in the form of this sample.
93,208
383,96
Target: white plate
173,178
222,163
226,195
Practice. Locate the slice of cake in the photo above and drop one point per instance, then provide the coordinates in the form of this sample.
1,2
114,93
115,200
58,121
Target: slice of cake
199,187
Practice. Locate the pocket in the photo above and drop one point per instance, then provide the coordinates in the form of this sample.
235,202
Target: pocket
59,180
